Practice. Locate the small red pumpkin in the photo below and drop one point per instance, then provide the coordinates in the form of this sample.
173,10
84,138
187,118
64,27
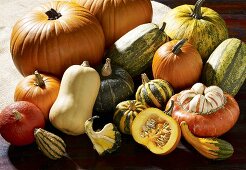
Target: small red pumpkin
177,62
207,110
39,89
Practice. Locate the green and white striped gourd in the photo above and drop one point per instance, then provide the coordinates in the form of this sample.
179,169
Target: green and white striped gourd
226,66
125,113
50,144
154,93
135,50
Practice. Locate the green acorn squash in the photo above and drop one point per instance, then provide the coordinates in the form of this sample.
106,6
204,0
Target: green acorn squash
116,86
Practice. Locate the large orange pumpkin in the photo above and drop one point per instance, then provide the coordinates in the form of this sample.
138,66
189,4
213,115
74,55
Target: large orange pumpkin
117,17
54,36
39,89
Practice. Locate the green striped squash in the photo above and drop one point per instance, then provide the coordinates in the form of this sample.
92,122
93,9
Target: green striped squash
125,113
50,144
154,93
226,67
135,50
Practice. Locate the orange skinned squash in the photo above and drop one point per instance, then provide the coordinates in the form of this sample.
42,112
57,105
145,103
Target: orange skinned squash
156,131
39,89
117,17
54,36
211,124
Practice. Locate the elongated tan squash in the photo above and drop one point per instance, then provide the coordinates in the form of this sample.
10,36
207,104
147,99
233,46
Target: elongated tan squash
74,104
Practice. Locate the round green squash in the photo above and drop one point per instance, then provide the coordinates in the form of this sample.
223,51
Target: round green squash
226,67
125,113
154,93
135,50
202,26
116,86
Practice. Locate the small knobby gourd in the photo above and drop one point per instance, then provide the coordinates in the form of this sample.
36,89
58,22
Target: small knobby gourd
135,50
74,105
208,111
50,144
106,140
177,62
203,27
116,86
226,66
157,131
125,113
154,93
211,148
39,89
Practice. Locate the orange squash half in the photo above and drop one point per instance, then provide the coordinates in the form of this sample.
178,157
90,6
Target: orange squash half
156,130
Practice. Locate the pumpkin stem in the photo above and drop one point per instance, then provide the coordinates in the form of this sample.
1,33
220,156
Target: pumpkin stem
145,78
85,64
53,14
170,110
132,105
163,26
177,48
39,79
197,10
17,114
107,70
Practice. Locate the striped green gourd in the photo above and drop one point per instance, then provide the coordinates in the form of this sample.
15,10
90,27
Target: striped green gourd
226,66
125,113
50,144
135,50
154,93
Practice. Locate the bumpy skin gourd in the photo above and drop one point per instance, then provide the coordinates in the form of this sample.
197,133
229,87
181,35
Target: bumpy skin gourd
78,91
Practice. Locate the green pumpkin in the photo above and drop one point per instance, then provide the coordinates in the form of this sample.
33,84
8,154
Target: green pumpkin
226,67
116,86
154,93
135,50
125,113
203,27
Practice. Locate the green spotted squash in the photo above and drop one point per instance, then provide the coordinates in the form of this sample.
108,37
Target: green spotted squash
226,67
202,26
135,50
154,93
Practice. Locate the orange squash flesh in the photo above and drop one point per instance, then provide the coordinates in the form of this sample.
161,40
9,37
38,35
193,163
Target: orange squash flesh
157,131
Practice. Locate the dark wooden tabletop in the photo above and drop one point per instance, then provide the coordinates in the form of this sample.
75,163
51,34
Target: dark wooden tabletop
131,155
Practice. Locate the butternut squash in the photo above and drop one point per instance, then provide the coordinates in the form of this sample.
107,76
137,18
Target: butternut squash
77,95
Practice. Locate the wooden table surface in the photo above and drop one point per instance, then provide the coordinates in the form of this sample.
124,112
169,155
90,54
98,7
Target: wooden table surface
131,155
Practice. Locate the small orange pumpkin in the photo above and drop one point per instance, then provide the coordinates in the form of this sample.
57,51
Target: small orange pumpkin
39,89
177,62
117,17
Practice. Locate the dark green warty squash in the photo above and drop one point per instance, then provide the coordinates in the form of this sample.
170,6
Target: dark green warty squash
226,67
116,86
125,113
154,93
202,26
135,50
